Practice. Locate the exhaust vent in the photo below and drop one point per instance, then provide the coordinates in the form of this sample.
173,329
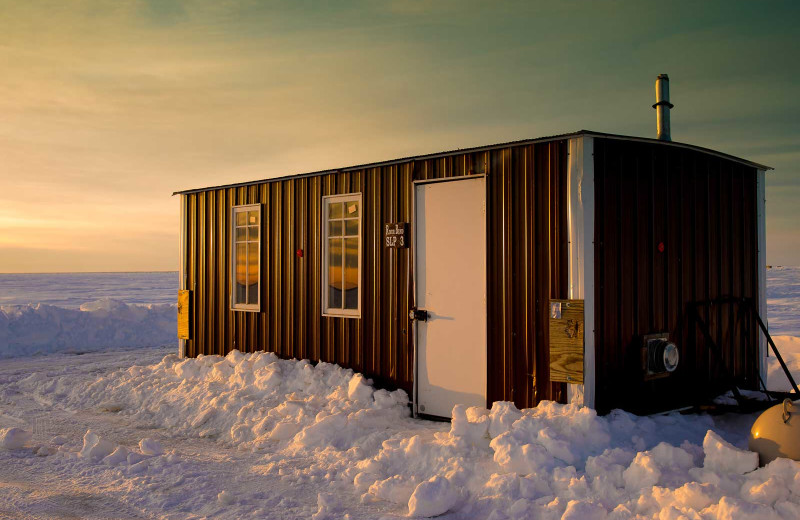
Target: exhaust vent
660,356
663,107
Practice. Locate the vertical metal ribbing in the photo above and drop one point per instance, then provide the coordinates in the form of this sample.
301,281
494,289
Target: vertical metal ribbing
191,205
201,285
263,317
377,272
406,186
550,279
302,277
277,259
381,343
211,281
507,285
182,261
525,289
289,264
222,267
392,278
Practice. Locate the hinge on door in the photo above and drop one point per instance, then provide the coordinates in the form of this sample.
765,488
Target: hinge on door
483,208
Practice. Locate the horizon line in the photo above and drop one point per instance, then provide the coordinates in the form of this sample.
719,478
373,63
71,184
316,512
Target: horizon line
92,272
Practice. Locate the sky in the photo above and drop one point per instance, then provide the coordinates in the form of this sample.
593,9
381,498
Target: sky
107,107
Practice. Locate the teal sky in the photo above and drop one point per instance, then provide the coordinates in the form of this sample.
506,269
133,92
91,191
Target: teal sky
107,107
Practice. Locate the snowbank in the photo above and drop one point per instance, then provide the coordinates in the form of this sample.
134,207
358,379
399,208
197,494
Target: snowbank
249,400
552,461
789,347
95,450
42,329
14,438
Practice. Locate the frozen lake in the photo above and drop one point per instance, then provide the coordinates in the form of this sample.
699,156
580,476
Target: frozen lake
783,300
71,290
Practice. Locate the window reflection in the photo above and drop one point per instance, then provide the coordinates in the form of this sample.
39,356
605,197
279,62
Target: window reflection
246,251
342,228
335,273
350,285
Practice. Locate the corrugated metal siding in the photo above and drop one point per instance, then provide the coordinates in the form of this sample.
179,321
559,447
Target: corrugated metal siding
527,265
703,209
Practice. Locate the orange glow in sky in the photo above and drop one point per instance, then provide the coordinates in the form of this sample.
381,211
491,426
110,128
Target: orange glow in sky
109,106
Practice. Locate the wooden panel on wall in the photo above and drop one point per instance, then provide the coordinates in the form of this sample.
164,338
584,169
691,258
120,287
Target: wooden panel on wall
566,341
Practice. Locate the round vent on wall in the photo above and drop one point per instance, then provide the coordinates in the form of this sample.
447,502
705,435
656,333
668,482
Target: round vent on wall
664,356
660,356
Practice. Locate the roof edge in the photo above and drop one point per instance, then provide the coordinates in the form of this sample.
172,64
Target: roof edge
476,149
678,144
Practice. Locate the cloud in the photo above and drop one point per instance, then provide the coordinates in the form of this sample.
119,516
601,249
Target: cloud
109,106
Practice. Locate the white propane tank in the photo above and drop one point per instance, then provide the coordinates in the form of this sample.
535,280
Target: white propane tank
776,433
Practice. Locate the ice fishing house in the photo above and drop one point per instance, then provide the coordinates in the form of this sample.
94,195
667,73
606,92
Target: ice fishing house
616,271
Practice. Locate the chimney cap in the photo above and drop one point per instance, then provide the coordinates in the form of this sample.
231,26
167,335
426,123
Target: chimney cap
665,102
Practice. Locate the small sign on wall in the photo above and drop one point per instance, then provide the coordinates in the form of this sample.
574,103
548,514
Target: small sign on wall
395,235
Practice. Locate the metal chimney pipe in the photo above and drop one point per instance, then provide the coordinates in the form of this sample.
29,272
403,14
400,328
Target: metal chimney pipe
662,107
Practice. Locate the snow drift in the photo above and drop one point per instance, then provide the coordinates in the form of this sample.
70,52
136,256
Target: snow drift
41,329
553,461
789,348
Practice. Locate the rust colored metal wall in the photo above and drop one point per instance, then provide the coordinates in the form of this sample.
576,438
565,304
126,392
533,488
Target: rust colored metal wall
703,209
526,265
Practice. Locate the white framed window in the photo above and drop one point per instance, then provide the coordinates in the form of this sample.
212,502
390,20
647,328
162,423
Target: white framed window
341,272
246,257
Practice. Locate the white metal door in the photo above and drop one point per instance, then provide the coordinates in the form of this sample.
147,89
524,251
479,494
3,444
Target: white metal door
450,273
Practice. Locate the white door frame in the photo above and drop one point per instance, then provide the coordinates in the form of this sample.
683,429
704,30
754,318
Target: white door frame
415,329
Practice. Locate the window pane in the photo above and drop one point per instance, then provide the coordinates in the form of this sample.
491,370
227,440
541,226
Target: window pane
351,228
351,273
241,218
241,274
335,273
335,228
252,217
336,210
241,234
253,233
252,273
352,208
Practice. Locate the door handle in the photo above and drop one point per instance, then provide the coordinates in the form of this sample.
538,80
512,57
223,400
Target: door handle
418,315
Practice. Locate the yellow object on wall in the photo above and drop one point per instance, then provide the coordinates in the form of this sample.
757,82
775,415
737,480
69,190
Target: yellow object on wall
183,313
566,341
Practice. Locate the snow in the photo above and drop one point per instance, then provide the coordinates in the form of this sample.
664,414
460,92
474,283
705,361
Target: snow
789,348
723,456
226,498
434,497
150,447
102,324
14,438
95,447
139,433
783,300
238,435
